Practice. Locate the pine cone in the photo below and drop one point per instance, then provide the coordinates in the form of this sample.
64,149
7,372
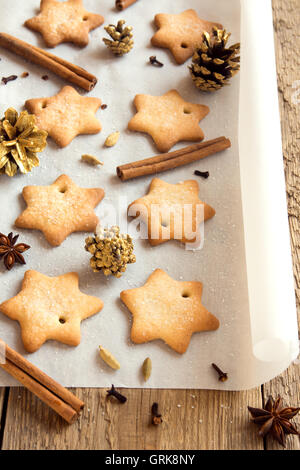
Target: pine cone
122,38
20,140
111,251
213,64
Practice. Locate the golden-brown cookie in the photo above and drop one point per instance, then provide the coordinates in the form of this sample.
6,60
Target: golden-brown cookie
181,33
60,209
50,308
168,119
66,21
171,211
169,310
66,115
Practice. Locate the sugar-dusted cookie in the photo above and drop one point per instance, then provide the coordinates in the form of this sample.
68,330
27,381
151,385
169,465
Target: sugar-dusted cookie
181,33
168,119
66,115
66,21
171,211
169,310
50,308
60,209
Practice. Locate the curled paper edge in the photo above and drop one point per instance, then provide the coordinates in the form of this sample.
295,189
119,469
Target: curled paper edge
267,240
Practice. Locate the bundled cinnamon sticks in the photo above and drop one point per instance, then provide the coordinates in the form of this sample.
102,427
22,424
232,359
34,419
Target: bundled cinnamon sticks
167,161
61,67
67,405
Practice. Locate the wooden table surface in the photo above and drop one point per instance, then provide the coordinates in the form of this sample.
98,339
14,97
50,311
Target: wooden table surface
193,419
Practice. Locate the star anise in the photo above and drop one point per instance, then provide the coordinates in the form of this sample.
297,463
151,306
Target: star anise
275,419
10,252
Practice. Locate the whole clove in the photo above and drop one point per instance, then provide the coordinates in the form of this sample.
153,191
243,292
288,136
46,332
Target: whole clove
204,174
156,417
103,106
223,376
113,392
153,60
11,78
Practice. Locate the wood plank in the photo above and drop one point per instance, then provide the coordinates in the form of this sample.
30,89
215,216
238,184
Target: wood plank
2,391
286,22
2,415
192,419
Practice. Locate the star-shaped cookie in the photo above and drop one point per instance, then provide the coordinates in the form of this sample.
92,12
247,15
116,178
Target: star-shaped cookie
50,308
66,115
66,21
60,209
168,119
171,211
181,33
169,310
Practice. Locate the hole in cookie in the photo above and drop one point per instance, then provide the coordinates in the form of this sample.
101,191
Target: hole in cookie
184,45
63,189
62,320
187,111
185,295
44,105
85,18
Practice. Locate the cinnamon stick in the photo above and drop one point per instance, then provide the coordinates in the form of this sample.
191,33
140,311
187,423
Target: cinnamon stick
167,161
64,410
122,4
44,387
61,67
44,379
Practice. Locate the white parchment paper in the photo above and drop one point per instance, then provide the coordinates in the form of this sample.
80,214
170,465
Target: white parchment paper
236,269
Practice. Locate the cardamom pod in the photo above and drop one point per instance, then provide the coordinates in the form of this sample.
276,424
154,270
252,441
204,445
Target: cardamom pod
91,159
147,368
109,359
112,139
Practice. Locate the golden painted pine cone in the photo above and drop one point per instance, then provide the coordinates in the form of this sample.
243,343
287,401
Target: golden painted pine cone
121,42
213,65
20,141
111,252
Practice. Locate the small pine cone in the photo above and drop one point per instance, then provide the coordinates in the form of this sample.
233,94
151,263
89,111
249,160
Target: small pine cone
20,141
111,252
121,42
213,65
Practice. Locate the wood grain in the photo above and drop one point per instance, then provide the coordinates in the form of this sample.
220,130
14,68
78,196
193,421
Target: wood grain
286,16
191,419
2,391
